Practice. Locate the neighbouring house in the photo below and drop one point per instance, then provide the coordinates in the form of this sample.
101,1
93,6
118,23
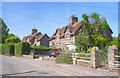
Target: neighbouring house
37,38
64,38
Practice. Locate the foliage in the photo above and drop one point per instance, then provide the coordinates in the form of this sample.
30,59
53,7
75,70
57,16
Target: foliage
100,42
119,45
103,57
82,42
10,49
26,48
89,50
39,47
22,48
2,48
3,30
64,59
10,35
31,53
114,41
93,28
12,39
18,49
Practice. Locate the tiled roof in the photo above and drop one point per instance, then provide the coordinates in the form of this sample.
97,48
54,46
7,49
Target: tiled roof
32,36
76,23
72,29
51,37
40,36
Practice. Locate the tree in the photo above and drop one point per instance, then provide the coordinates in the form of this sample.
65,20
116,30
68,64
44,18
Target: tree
12,39
114,41
92,33
10,35
83,39
4,29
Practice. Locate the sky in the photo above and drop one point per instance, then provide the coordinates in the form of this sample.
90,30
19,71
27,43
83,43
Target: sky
21,17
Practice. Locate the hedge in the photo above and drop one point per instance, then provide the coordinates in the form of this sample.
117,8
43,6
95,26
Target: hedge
18,49
2,48
22,48
10,49
40,50
39,47
26,48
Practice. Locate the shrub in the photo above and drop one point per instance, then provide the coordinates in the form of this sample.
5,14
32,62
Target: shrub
18,49
26,48
31,53
39,47
40,50
64,59
89,50
0,49
12,39
3,47
10,49
22,48
103,57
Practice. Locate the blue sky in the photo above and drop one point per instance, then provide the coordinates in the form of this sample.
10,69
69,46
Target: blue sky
21,17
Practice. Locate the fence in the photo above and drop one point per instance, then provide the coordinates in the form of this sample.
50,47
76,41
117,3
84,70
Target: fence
117,61
97,58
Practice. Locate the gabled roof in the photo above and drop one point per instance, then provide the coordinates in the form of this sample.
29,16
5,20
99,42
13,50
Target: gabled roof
40,36
72,29
33,36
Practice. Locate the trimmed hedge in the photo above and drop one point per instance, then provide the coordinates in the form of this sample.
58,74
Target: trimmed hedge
2,48
26,48
40,50
22,48
18,49
39,47
10,49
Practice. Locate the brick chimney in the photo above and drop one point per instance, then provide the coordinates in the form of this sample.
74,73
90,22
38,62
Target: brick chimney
34,30
72,20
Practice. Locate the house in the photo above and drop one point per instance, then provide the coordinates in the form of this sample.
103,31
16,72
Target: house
64,38
37,38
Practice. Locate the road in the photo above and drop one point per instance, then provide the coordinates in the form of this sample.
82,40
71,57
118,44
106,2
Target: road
26,66
12,67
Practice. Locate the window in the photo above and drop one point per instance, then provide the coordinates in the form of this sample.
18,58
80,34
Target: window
67,36
57,38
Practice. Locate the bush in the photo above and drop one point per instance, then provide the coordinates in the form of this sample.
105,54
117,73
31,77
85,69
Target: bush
10,49
18,49
12,39
3,47
39,47
103,57
0,49
22,48
64,59
40,50
26,48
